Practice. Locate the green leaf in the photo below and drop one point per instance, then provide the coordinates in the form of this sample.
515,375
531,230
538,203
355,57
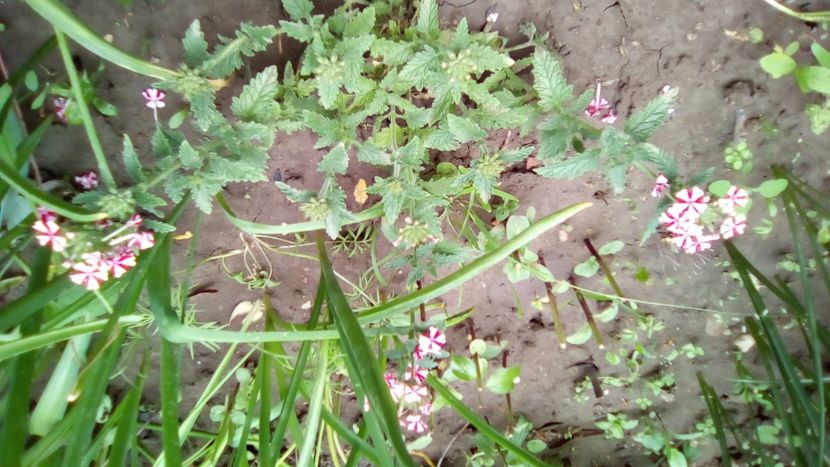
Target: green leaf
441,139
298,9
587,268
536,446
477,346
464,130
300,31
778,64
488,59
549,80
189,157
249,40
256,101
194,44
328,86
719,187
462,367
569,169
131,162
772,188
361,24
391,52
581,335
419,68
30,81
327,129
428,18
817,78
612,247
821,54
158,226
371,154
644,123
178,118
675,458
503,380
336,161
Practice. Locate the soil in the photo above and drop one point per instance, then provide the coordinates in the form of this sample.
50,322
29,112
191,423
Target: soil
634,48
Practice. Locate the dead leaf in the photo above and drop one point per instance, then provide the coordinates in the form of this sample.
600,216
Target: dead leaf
360,194
184,236
250,311
532,163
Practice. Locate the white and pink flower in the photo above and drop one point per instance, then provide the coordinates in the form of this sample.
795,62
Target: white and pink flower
415,423
733,226
121,263
600,108
48,234
734,198
134,220
154,98
45,215
661,184
415,373
87,181
141,240
693,199
414,393
430,342
88,275
60,105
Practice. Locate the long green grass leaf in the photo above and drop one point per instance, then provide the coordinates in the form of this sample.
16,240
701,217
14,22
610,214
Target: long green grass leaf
526,457
17,311
16,424
715,411
315,405
127,429
64,20
357,349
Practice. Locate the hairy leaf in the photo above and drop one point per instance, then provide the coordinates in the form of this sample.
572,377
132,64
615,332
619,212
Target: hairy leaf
256,101
464,130
194,44
298,9
569,169
131,162
644,123
549,80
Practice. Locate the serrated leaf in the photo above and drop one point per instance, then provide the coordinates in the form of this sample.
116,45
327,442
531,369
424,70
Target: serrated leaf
486,58
299,31
428,18
293,194
328,87
148,201
336,161
581,335
413,153
131,162
326,128
256,101
503,380
512,156
158,226
644,123
391,52
249,40
569,169
441,139
362,23
616,176
189,157
464,130
549,80
371,154
298,9
418,69
194,44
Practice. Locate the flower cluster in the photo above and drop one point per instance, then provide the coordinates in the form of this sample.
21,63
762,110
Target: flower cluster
90,267
409,391
694,221
87,181
600,108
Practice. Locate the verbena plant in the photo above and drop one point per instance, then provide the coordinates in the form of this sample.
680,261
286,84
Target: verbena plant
415,90
793,393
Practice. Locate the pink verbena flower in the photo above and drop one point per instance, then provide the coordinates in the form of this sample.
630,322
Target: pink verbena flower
87,181
733,226
414,393
134,220
430,342
426,409
396,388
676,218
693,199
598,105
48,234
661,184
141,240
154,98
88,275
609,118
734,198
60,105
698,243
46,215
687,236
121,263
415,423
415,373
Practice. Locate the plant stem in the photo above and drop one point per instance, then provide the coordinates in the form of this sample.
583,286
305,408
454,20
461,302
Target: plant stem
422,306
507,396
605,268
588,315
471,334
554,308
89,126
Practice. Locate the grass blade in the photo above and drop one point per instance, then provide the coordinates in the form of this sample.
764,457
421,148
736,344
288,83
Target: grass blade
64,20
16,426
315,405
715,410
357,349
126,432
481,425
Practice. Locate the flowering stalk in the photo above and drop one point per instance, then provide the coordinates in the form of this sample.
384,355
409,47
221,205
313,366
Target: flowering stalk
471,336
589,317
554,308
